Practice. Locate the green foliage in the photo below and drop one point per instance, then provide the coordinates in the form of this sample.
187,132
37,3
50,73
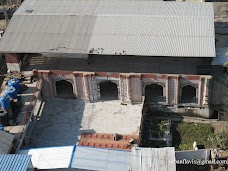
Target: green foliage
187,146
220,140
186,133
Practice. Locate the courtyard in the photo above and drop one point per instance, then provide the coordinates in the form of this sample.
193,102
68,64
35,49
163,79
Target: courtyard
63,120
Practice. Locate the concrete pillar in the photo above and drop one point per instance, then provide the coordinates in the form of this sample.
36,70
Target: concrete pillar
90,87
13,62
75,85
177,90
94,88
167,90
47,89
78,77
128,88
86,88
199,91
206,91
172,89
122,93
136,88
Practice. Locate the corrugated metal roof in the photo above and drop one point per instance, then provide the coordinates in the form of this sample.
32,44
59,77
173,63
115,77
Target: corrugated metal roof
101,159
50,157
221,56
146,28
162,159
14,162
6,140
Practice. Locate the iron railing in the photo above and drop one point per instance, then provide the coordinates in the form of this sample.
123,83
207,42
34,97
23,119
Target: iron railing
156,99
189,100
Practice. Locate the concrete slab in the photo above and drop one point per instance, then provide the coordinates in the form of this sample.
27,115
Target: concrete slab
63,120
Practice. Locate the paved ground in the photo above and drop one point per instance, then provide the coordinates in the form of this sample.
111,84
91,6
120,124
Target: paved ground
63,120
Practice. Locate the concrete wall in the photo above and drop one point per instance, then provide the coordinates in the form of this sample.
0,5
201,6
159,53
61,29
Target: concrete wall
131,87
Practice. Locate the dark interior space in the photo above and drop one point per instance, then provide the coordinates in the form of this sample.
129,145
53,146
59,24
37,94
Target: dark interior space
64,89
108,90
154,93
110,63
188,94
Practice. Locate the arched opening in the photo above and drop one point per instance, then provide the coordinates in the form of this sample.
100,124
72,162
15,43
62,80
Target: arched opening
188,94
108,91
64,89
154,93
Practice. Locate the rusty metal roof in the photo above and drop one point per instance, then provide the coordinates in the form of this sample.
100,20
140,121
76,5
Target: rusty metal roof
106,141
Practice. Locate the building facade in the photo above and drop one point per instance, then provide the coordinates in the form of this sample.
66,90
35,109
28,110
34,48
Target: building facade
132,51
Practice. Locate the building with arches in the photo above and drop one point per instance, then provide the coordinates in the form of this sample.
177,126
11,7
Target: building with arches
100,51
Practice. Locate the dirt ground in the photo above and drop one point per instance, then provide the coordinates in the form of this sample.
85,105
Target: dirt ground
220,126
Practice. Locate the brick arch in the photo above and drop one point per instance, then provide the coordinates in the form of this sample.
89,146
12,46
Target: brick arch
188,93
154,92
109,91
66,80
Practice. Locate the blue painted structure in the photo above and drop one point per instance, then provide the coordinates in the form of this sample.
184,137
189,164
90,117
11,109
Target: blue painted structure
79,157
5,102
15,162
11,91
15,83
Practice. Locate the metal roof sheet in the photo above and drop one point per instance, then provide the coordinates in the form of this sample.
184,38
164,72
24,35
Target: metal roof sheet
130,27
100,140
162,159
14,162
50,157
6,140
101,159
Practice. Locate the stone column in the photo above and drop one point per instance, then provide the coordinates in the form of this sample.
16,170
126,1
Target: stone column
13,62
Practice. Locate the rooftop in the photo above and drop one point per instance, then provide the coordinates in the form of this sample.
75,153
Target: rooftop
63,120
101,159
6,141
15,162
99,140
49,158
162,159
111,27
